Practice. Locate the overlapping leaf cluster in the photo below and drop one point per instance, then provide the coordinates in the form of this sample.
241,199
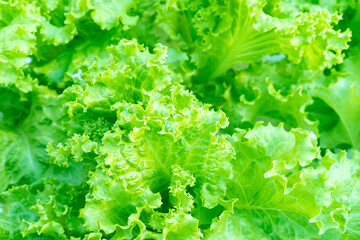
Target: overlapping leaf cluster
209,119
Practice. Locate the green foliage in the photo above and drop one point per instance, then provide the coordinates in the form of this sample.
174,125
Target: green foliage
209,119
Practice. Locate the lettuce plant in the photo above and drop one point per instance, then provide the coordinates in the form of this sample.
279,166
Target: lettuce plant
169,119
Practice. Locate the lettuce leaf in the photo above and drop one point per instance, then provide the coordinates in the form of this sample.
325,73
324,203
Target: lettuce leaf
210,119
